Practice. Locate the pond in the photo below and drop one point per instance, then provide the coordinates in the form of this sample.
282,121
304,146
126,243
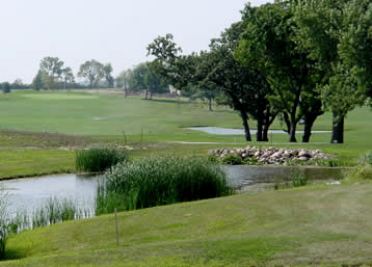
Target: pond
230,131
29,194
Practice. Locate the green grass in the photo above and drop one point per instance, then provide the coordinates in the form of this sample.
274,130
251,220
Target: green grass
22,163
45,121
329,226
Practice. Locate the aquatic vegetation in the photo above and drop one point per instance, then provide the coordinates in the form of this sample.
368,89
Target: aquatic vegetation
99,159
159,181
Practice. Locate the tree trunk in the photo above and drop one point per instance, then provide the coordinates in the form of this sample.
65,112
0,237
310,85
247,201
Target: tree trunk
309,122
307,130
210,104
287,122
292,133
292,129
259,133
338,128
265,134
247,131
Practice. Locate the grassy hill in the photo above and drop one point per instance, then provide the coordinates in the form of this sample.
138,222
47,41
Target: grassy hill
307,226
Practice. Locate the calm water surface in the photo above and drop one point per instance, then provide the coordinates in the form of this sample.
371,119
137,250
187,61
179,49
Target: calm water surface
28,194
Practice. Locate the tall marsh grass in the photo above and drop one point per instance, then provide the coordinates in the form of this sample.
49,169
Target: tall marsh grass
3,222
157,181
99,159
53,211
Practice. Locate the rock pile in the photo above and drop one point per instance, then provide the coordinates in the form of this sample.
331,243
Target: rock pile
270,155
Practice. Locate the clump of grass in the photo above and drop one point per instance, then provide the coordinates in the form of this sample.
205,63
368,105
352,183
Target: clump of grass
54,211
99,159
232,159
298,179
159,181
366,159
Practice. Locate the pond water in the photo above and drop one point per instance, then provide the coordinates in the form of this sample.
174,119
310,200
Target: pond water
29,194
230,131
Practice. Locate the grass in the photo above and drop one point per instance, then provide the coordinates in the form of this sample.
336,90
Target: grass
99,159
158,181
46,123
35,162
329,226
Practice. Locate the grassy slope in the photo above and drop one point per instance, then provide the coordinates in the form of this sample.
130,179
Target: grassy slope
328,225
155,124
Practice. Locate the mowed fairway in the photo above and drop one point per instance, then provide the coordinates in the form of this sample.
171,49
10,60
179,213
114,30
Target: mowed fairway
323,225
50,123
99,115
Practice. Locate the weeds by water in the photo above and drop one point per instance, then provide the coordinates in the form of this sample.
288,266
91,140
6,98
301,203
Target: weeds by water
159,181
52,212
99,159
366,159
3,222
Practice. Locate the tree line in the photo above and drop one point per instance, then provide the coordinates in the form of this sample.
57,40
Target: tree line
53,74
290,60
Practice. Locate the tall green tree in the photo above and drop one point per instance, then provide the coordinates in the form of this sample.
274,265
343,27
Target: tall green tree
67,77
270,44
93,71
38,81
52,68
338,36
107,69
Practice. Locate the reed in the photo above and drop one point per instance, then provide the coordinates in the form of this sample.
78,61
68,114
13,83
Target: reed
99,159
157,181
3,222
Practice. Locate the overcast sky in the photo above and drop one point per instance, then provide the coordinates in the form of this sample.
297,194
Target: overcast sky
115,31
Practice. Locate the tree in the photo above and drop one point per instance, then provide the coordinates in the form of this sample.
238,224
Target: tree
269,43
215,70
258,89
67,77
52,68
6,87
38,81
124,80
338,36
93,71
107,69
154,82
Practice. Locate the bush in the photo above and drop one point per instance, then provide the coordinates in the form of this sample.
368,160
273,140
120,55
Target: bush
159,181
99,159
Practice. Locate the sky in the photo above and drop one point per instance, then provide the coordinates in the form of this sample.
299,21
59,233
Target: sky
115,31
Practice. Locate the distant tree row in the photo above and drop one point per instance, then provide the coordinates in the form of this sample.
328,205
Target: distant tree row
6,87
53,74
291,60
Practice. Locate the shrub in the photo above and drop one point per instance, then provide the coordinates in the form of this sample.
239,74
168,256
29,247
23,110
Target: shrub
99,159
159,181
232,159
298,179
